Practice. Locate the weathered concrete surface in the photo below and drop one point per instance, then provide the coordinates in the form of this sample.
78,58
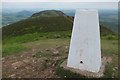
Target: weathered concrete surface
87,73
85,52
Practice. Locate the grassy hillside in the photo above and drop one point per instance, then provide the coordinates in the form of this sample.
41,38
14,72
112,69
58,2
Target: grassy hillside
51,47
105,31
49,13
40,43
40,22
9,17
43,22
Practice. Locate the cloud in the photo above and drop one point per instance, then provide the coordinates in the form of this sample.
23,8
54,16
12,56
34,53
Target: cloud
59,5
60,0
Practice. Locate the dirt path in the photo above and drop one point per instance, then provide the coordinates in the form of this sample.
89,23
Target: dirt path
39,61
35,63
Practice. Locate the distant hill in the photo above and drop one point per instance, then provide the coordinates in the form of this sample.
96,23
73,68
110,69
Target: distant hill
104,30
24,13
39,23
49,13
9,18
44,21
107,17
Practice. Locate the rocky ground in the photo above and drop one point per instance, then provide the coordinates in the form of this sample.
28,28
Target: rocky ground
40,61
35,63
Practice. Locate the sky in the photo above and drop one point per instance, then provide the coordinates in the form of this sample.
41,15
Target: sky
60,0
58,5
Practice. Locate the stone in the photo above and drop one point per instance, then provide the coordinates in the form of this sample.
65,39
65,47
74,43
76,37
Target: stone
56,52
17,64
12,76
26,60
109,59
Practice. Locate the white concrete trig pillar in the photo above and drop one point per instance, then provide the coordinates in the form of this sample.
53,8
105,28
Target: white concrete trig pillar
85,51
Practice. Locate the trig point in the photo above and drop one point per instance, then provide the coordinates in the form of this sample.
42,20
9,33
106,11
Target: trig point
85,52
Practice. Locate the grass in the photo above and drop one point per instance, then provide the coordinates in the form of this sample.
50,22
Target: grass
13,45
37,36
110,71
41,24
109,47
46,54
9,49
110,37
66,73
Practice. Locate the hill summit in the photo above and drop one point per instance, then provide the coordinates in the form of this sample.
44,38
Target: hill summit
49,13
44,21
24,13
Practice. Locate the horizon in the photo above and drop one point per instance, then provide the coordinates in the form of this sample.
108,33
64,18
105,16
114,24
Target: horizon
33,6
39,10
